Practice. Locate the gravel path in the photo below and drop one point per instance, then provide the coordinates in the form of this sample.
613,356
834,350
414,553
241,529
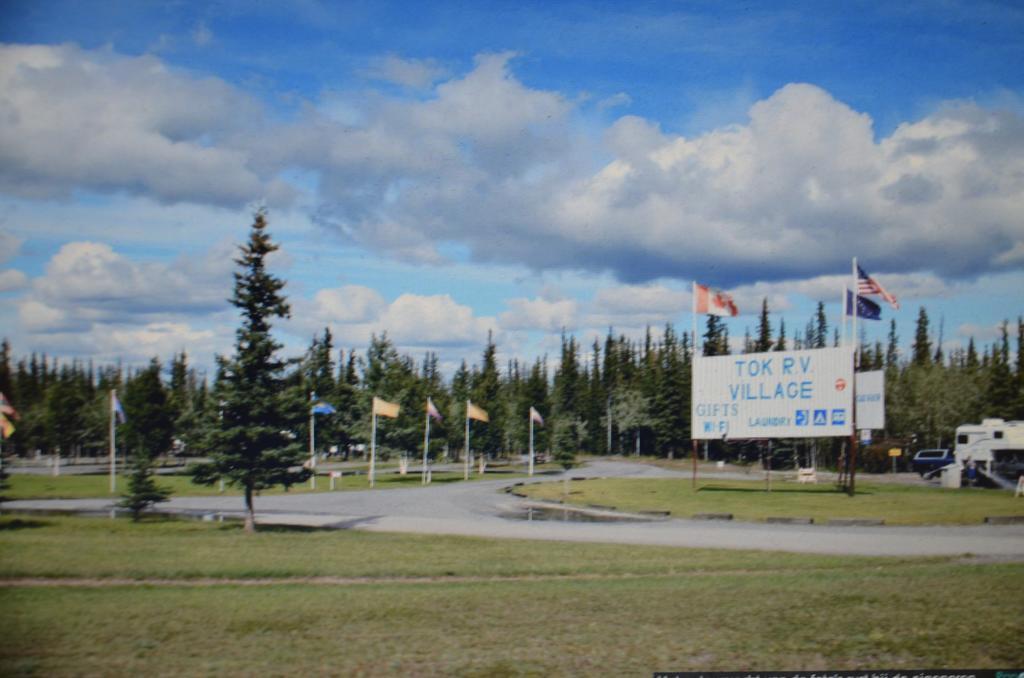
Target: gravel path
474,509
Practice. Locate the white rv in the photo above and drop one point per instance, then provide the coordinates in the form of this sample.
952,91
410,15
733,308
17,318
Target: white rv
996,447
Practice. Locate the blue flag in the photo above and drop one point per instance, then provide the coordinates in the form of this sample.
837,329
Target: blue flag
866,308
115,404
323,408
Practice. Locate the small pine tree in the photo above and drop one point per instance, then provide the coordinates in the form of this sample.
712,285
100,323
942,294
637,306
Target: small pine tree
148,431
143,491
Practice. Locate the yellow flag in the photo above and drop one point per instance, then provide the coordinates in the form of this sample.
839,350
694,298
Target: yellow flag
6,426
383,408
474,412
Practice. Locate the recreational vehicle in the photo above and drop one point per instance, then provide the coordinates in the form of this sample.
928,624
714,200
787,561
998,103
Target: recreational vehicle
996,447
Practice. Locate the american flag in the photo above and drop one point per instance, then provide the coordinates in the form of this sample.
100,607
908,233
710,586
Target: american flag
868,285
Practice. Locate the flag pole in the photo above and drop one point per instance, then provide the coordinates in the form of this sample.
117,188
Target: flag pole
373,444
856,339
530,415
113,445
426,445
693,321
842,316
312,441
465,462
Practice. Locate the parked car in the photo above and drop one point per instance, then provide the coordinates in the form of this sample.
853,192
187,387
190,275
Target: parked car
927,461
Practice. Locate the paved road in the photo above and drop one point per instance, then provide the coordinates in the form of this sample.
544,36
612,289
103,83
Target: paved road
474,509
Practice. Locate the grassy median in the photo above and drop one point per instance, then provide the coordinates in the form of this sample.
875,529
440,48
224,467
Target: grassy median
750,500
30,486
427,605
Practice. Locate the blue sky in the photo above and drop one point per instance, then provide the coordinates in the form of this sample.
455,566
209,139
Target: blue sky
441,170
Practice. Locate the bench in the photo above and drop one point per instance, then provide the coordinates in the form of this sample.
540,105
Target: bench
806,475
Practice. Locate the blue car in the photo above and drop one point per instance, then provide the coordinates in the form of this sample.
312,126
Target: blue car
926,461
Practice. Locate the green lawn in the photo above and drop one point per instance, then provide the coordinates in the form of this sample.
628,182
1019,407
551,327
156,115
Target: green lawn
749,500
26,486
617,610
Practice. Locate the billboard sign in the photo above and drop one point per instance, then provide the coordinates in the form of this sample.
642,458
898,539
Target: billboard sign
785,394
871,399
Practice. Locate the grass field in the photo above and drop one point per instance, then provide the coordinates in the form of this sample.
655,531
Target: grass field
26,486
749,500
459,606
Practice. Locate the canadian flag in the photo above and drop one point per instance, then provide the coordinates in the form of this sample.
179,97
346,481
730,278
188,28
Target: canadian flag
715,302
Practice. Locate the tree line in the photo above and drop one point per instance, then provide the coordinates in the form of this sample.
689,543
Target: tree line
616,396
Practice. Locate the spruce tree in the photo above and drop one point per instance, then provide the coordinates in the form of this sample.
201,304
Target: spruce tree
148,432
567,397
764,330
780,345
820,327
250,445
922,343
713,336
485,393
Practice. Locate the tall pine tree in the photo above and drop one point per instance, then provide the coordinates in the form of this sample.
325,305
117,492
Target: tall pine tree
250,446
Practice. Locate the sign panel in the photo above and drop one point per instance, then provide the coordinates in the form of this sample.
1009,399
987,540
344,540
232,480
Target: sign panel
787,394
871,399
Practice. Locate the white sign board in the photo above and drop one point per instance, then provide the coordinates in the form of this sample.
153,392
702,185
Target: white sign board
871,399
787,394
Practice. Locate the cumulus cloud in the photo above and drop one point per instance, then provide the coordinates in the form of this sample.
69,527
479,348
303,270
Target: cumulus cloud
483,160
136,344
614,101
793,192
12,279
9,246
415,73
86,283
540,314
354,313
101,121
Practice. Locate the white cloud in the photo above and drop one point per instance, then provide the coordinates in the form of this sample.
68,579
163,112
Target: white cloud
136,344
105,122
91,281
793,192
12,279
540,314
10,244
436,320
484,161
614,101
980,333
415,73
36,316
354,313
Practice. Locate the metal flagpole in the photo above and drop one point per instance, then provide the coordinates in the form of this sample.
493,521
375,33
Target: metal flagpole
312,441
373,447
426,445
853,313
693,365
113,445
465,463
852,457
530,415
693,319
842,315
